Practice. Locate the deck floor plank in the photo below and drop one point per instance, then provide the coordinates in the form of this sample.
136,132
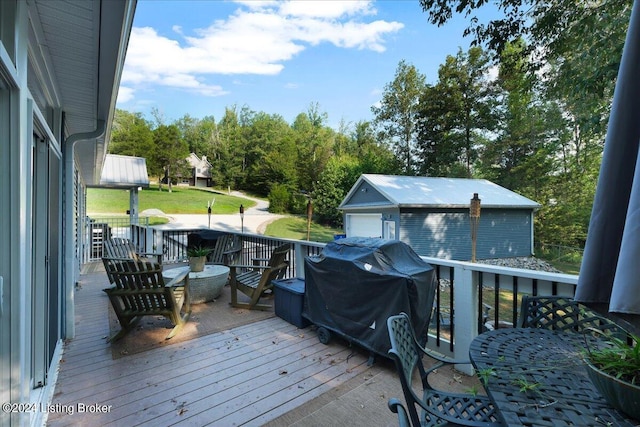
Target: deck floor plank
248,375
205,377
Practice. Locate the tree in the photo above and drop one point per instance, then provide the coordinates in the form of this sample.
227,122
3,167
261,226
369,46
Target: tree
373,156
550,28
456,114
396,115
521,156
315,143
131,135
230,150
270,153
438,151
194,134
171,153
334,184
575,46
342,171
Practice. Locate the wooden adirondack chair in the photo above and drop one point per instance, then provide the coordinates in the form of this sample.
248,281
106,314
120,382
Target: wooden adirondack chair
227,250
255,280
118,247
139,290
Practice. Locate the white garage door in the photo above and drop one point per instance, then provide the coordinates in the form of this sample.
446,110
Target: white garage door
364,225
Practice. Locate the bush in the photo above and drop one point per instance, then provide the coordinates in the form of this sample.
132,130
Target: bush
298,204
279,199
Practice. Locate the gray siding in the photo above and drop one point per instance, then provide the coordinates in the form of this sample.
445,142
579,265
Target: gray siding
446,233
366,194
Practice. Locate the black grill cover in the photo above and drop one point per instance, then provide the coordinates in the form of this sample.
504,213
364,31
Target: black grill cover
356,283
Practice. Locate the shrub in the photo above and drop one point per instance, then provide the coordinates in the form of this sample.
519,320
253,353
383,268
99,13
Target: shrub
279,199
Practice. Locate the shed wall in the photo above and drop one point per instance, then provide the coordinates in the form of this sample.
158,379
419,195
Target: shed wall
365,193
446,233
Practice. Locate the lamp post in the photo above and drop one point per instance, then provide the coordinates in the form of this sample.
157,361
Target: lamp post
474,217
242,219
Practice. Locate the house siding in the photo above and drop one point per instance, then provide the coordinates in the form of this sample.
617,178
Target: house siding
43,177
446,233
366,194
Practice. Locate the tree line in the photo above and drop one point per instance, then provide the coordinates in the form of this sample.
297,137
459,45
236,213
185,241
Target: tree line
525,107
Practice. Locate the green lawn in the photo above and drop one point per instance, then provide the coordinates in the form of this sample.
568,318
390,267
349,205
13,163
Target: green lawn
296,228
180,201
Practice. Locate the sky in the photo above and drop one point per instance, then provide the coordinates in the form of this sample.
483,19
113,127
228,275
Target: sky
278,57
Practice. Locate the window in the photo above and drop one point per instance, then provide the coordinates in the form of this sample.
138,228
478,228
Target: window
390,230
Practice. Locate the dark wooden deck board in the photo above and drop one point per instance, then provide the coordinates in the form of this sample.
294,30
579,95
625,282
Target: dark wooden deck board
244,376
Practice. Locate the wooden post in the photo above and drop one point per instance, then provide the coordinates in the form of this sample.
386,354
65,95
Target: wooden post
309,215
474,216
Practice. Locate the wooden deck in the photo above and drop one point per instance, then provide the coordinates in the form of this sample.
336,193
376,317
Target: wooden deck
249,375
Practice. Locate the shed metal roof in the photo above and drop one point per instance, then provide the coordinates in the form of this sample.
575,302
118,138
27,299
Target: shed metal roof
420,191
124,172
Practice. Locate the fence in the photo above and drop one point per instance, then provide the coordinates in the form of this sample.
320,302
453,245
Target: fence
559,252
98,230
470,297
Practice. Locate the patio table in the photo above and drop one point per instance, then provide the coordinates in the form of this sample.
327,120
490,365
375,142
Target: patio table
205,285
537,377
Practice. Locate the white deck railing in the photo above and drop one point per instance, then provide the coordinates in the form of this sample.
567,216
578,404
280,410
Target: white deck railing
471,296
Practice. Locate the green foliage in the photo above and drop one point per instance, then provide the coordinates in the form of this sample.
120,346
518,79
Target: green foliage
198,251
298,204
521,157
485,375
620,360
396,117
131,135
279,199
336,180
525,386
455,115
314,143
171,153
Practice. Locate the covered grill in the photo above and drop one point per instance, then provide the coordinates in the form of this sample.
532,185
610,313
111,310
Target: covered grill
356,283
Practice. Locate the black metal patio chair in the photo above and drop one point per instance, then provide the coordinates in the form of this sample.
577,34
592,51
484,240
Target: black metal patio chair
398,408
563,314
437,407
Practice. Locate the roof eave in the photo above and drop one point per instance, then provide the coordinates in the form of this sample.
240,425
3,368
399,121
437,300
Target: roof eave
466,206
115,23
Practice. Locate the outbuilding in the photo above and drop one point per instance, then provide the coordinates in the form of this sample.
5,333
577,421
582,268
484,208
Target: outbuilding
431,215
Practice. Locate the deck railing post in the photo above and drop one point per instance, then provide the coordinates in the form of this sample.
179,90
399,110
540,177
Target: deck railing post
465,306
298,259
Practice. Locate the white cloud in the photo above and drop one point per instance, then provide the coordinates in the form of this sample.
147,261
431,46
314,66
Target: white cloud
326,9
259,38
125,94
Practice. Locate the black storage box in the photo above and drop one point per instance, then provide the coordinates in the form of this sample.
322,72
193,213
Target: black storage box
289,299
356,283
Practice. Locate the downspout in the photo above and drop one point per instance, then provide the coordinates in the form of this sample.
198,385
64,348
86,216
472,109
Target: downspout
70,272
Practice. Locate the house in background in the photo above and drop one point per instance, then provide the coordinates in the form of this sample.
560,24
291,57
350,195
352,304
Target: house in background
60,68
200,171
432,215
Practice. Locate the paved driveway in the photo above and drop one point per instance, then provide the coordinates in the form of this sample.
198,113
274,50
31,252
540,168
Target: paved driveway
255,219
